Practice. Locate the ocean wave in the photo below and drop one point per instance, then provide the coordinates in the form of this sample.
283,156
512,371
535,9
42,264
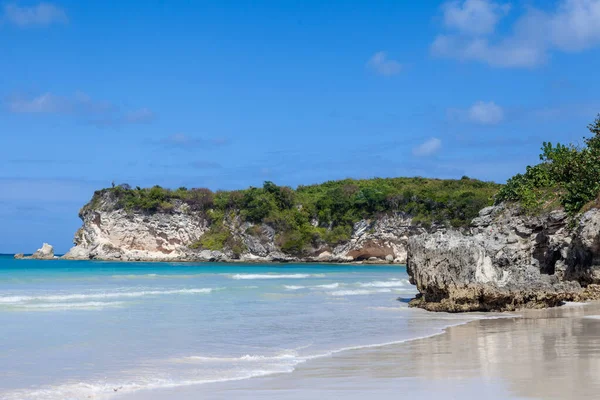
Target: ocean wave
286,356
317,287
69,306
358,292
438,332
329,286
107,390
102,295
156,276
387,284
275,276
292,287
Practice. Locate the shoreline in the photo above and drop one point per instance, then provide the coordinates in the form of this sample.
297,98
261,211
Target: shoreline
232,261
510,355
169,391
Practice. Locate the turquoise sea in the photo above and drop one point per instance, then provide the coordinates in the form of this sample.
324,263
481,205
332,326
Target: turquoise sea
88,329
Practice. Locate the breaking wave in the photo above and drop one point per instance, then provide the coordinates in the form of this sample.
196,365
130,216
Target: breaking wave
89,305
387,284
275,276
99,295
358,292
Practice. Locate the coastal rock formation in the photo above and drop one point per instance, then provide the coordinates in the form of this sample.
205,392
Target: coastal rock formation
507,261
110,232
46,252
384,239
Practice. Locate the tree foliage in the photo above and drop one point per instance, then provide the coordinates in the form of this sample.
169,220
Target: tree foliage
317,213
567,174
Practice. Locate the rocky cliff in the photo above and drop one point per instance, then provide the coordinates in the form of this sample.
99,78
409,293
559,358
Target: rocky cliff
110,232
507,260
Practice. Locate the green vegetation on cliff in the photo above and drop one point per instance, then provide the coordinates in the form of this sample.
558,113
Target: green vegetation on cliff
567,176
315,213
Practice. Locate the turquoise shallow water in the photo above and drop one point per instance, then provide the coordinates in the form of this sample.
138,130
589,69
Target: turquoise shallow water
74,329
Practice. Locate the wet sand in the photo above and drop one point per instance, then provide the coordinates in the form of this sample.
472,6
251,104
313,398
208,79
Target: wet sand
544,354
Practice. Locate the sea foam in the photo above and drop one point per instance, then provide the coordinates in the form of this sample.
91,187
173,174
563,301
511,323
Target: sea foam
358,292
88,305
275,276
99,295
387,284
291,356
329,286
292,287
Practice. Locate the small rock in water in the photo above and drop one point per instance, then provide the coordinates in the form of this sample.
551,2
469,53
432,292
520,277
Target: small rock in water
44,253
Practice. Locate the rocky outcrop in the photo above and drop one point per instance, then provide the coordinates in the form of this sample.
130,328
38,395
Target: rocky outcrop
382,239
46,252
112,233
507,261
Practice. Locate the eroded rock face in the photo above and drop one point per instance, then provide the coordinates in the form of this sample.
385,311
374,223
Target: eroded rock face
385,239
46,252
507,261
111,233
114,234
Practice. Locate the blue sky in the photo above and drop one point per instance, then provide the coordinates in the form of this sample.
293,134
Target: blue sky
227,94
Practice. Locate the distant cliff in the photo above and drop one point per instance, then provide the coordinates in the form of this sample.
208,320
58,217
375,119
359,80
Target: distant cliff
341,221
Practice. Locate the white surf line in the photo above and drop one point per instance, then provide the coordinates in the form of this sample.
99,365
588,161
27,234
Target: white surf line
275,276
102,295
69,306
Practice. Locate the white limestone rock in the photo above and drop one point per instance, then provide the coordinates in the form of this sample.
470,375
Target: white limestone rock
46,252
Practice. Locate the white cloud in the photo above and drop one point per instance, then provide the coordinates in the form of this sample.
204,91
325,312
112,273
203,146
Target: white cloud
507,54
486,113
574,25
384,66
428,147
40,14
79,105
474,16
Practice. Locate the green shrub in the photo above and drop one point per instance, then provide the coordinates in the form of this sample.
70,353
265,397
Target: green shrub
339,234
219,238
335,205
567,175
213,239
